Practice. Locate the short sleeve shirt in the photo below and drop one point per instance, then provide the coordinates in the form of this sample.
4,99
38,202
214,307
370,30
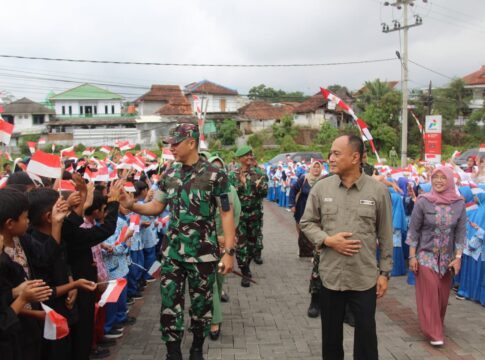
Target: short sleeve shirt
192,193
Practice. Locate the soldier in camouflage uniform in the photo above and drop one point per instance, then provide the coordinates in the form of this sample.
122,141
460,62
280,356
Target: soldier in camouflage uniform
193,189
260,213
251,189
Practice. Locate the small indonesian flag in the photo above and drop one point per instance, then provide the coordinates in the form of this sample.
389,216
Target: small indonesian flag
67,150
55,325
129,187
155,178
88,152
135,222
472,205
113,175
337,101
138,163
149,155
167,154
32,146
122,238
3,182
152,167
482,149
47,165
70,169
105,149
137,176
42,141
155,268
69,154
89,175
113,291
102,174
66,185
6,130
397,173
456,153
125,145
80,164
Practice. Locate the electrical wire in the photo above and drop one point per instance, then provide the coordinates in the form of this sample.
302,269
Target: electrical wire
194,64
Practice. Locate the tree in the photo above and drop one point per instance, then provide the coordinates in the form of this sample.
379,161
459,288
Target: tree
372,93
255,141
262,92
327,134
227,132
284,128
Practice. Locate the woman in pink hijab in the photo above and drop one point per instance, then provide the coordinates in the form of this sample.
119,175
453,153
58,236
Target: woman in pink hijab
436,236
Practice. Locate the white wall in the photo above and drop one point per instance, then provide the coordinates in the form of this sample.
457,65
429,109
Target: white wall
312,120
260,125
75,104
23,124
233,102
104,136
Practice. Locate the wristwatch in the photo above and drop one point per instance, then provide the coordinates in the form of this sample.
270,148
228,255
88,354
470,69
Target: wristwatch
229,251
385,273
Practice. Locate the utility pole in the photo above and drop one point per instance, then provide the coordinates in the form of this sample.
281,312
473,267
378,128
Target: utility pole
403,4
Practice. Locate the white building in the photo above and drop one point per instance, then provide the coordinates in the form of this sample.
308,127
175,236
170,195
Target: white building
214,97
476,82
87,101
27,116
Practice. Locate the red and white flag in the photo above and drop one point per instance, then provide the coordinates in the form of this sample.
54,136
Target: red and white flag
337,101
472,205
129,187
3,182
66,185
155,178
32,146
67,150
135,222
125,145
122,238
69,155
70,169
113,175
482,149
152,167
88,152
55,325
113,291
420,127
150,155
102,174
167,154
6,130
89,175
42,141
47,165
155,268
455,154
105,149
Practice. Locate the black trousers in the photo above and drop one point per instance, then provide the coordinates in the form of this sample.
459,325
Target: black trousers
363,306
82,332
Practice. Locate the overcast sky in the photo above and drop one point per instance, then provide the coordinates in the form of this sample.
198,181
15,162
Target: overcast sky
450,41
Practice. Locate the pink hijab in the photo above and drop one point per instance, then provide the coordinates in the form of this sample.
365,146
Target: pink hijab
449,195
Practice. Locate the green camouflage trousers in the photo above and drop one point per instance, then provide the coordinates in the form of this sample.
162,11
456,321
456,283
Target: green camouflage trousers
247,237
315,281
201,277
259,230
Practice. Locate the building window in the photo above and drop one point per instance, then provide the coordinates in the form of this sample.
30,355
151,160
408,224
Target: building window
112,109
70,110
95,110
81,110
106,109
63,110
38,119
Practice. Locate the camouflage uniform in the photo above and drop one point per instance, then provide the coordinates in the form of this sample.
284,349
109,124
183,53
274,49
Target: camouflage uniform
191,250
251,196
315,281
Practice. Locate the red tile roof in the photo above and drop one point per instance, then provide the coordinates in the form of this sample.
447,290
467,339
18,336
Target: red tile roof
476,78
208,87
261,110
176,102
311,104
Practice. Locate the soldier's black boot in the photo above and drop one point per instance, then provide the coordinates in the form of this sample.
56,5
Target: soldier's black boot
197,348
314,309
173,350
258,259
245,282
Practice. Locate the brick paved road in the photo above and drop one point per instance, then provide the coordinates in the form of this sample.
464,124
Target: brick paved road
268,320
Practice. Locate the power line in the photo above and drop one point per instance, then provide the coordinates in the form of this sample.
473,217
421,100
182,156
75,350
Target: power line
193,64
431,70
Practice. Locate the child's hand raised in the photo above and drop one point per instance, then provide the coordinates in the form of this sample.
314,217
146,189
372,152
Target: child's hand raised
86,285
74,199
59,211
116,190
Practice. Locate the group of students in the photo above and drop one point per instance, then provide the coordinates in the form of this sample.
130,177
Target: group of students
61,248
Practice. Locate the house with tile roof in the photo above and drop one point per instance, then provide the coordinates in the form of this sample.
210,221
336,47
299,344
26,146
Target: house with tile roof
260,115
215,98
28,116
88,101
164,100
316,110
476,82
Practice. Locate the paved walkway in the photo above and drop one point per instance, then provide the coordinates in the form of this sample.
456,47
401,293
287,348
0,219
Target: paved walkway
268,320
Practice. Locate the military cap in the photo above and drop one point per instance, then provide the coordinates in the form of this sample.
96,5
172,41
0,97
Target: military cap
244,150
181,132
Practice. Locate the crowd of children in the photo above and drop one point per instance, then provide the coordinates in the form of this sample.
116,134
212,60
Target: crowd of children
60,246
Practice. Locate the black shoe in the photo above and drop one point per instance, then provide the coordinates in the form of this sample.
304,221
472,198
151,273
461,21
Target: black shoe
99,353
113,334
137,296
214,335
106,342
196,354
224,297
130,320
314,309
258,259
173,350
245,282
